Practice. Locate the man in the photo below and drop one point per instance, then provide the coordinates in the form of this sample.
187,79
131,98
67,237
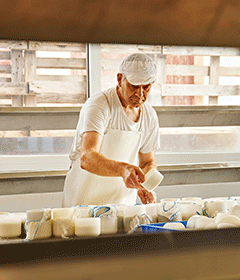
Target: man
116,137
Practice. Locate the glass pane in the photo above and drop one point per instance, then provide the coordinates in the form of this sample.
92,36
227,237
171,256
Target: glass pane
199,145
200,139
36,143
35,150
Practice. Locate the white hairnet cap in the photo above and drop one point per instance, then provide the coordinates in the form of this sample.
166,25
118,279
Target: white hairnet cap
139,69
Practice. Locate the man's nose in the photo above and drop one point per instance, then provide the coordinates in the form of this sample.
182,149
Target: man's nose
139,91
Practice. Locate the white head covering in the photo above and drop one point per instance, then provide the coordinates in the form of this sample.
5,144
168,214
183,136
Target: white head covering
139,69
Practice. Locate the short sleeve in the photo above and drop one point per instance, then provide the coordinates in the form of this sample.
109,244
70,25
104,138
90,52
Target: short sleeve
94,116
151,141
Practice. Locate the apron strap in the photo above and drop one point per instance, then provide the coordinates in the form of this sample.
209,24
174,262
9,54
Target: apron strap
109,123
141,118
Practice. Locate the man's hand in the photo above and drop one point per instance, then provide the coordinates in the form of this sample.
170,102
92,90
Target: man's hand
146,196
133,176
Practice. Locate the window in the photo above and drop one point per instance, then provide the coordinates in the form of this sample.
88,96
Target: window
43,86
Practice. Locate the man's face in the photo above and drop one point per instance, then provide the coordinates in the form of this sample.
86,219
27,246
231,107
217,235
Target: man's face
133,95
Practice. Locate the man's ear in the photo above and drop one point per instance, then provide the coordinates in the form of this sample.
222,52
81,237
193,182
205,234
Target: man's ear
119,79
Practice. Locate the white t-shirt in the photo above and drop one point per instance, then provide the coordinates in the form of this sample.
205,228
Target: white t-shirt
96,115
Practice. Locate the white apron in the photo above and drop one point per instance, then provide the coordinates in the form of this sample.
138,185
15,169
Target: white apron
84,188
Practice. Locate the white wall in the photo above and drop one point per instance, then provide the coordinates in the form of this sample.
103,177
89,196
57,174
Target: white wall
202,190
24,202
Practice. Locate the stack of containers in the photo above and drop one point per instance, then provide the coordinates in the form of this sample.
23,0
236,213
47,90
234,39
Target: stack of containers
87,226
108,216
191,206
230,202
132,216
169,210
83,211
84,223
120,215
63,222
23,217
38,224
214,205
151,211
10,227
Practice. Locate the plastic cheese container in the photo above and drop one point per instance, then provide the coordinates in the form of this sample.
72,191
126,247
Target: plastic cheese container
10,227
158,227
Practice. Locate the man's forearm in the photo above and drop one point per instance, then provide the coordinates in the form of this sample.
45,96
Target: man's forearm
96,163
148,166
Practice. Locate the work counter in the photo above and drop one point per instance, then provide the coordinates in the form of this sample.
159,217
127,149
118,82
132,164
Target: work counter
193,254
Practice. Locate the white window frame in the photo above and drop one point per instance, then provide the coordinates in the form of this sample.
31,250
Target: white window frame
94,68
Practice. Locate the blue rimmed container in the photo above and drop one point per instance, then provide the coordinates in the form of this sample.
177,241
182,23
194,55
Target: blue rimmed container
158,227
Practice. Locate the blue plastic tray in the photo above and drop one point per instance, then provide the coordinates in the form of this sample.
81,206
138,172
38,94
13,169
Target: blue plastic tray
151,228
